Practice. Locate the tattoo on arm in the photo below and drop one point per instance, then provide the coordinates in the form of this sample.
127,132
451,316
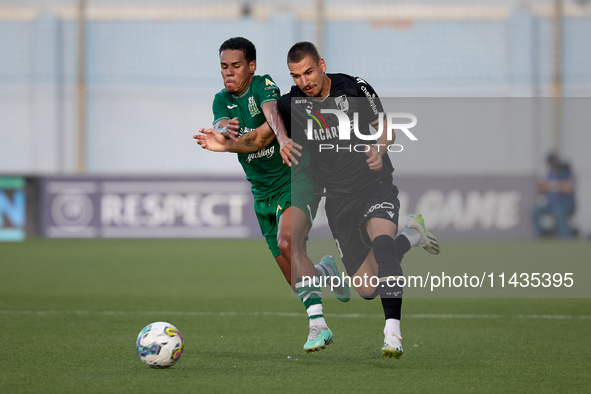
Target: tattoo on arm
248,141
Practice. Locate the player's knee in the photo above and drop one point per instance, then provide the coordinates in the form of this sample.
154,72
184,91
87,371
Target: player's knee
284,244
372,296
368,293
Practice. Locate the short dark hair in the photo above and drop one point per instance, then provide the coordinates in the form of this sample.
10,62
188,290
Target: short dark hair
240,44
300,50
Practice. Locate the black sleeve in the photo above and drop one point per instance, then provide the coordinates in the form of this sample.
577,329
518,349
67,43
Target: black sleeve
374,105
284,105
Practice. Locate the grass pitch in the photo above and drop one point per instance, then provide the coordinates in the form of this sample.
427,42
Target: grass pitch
70,311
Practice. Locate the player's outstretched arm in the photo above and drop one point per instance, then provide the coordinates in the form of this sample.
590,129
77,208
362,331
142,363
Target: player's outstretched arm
254,140
228,128
220,137
288,148
212,140
250,142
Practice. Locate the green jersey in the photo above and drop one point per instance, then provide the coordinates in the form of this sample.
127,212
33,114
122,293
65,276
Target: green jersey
264,169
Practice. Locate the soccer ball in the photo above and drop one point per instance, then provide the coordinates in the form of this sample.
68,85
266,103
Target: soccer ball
159,345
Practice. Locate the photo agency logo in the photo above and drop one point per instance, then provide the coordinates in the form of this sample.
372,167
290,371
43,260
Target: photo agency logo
324,132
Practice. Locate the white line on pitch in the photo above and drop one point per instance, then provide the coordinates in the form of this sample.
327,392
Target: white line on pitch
291,314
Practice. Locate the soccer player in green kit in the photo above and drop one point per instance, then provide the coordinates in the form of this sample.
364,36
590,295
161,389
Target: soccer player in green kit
246,121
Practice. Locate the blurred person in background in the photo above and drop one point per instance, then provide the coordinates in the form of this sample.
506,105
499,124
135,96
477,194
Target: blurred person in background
559,193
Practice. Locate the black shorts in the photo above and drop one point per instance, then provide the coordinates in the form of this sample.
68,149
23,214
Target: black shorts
348,215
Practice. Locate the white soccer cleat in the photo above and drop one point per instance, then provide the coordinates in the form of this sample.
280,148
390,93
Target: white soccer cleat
428,241
392,346
318,339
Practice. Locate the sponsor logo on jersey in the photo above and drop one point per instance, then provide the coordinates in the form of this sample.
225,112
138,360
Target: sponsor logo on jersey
263,153
359,80
326,134
243,131
319,119
252,106
269,85
371,99
231,106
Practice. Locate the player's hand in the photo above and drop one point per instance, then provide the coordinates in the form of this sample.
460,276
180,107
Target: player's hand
288,150
374,159
211,140
231,129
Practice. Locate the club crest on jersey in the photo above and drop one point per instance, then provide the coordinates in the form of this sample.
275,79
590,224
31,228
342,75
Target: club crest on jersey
342,103
252,107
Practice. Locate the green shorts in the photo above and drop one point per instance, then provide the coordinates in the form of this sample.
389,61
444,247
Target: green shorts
269,211
303,193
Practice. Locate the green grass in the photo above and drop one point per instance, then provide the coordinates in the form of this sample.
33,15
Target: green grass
70,312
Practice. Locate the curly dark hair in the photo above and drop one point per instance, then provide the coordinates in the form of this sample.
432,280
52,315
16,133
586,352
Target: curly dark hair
240,44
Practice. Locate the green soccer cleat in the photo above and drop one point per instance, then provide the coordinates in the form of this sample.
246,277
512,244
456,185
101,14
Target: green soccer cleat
318,339
392,346
428,241
342,292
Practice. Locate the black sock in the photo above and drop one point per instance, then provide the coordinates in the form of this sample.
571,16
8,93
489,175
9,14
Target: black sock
392,307
402,246
384,250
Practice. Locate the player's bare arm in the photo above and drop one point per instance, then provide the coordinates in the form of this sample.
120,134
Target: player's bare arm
228,128
253,141
250,142
288,148
212,140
